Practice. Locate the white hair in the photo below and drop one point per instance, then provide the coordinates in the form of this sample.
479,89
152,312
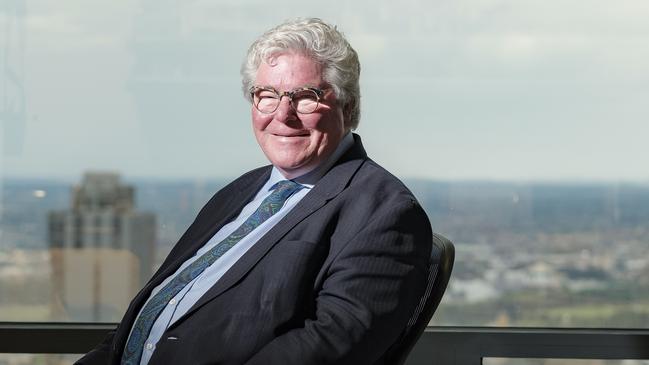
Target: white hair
321,42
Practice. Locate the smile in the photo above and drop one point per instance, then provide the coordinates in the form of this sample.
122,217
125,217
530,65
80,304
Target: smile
291,135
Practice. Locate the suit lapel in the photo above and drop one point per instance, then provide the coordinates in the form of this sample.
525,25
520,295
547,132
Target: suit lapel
214,218
206,225
329,186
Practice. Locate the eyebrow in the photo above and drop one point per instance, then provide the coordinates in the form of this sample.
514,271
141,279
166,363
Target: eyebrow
307,86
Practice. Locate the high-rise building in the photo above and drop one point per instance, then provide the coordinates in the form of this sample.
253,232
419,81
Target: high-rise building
101,248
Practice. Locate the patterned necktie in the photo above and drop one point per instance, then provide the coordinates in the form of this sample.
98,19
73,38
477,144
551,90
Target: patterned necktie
271,205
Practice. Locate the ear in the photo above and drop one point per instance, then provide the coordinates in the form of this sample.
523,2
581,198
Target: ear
347,115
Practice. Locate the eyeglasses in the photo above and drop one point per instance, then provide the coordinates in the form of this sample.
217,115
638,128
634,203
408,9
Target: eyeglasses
303,100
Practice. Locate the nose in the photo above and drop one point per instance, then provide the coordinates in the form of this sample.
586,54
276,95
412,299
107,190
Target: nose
285,112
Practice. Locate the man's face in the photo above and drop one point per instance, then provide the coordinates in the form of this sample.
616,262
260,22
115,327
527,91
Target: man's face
296,143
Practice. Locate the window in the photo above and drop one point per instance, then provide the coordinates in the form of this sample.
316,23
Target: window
521,127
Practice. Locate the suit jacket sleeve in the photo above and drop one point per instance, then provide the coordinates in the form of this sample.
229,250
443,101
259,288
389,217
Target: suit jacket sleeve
370,290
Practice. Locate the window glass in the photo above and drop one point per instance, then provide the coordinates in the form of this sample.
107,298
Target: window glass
519,125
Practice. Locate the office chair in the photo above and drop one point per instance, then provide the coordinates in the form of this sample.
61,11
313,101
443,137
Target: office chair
439,271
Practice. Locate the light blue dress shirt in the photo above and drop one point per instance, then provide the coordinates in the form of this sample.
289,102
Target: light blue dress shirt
193,291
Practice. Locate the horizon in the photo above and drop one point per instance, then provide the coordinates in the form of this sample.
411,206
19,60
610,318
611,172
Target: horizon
410,182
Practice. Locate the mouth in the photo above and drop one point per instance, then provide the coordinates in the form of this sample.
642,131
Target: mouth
291,135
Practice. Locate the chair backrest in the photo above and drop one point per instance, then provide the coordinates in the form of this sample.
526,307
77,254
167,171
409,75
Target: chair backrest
439,271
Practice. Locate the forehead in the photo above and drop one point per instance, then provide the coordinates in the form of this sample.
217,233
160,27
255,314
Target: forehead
289,71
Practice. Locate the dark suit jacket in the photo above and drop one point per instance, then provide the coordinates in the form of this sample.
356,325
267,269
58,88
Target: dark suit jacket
334,282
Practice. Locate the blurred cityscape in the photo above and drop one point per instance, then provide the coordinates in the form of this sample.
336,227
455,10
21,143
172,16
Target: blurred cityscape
543,255
101,250
528,254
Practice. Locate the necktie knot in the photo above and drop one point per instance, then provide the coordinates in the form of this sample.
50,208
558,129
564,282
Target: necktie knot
285,188
282,190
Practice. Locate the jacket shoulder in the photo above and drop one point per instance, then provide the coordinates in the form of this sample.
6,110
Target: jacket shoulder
375,179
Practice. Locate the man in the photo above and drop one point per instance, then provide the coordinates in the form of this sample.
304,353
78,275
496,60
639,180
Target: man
320,258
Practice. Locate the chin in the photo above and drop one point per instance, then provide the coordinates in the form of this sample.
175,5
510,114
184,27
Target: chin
291,171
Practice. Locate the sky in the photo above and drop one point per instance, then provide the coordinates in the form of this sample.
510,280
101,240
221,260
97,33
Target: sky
514,90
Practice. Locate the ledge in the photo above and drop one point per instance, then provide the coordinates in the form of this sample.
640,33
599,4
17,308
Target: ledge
438,345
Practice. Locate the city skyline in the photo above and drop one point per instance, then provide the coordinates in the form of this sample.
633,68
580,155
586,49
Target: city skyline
528,255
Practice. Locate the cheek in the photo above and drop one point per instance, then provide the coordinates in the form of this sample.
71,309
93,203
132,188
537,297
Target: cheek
315,123
260,121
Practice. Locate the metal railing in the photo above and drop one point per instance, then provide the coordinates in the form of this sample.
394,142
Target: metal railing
438,345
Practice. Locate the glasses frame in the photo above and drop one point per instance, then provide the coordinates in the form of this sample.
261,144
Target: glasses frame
290,94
